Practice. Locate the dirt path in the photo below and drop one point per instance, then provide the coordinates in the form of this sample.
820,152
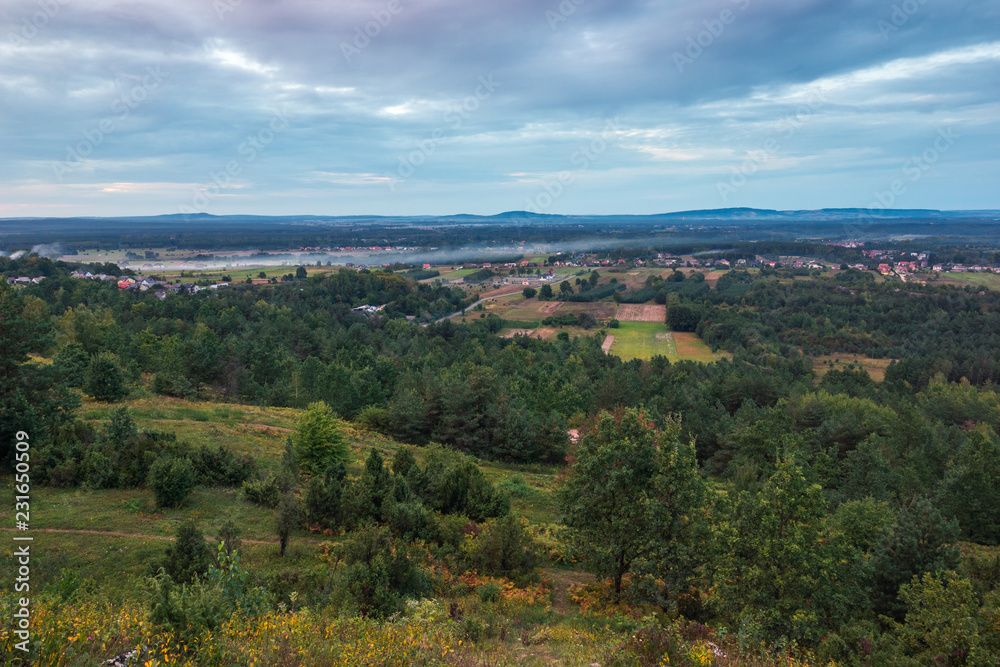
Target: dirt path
606,346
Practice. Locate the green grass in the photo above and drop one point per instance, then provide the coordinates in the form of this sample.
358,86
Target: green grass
637,340
990,280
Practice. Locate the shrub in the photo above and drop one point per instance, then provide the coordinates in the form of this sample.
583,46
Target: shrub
379,574
374,417
98,473
323,497
262,492
403,461
186,610
220,466
172,480
503,549
289,518
187,557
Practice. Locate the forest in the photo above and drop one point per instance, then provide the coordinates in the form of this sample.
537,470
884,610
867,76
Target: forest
752,510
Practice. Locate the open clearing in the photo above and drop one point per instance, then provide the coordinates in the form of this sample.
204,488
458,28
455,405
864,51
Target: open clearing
643,340
606,345
689,346
641,313
828,362
540,334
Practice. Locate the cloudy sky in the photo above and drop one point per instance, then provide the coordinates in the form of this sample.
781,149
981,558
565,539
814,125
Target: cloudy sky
337,107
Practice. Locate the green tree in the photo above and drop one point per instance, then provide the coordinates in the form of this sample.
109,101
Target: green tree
323,496
593,278
629,493
300,272
565,288
529,292
970,492
943,621
921,541
104,379
545,293
318,440
403,461
188,555
781,570
288,519
72,361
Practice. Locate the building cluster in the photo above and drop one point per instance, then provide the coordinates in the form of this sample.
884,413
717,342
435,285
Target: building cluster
146,284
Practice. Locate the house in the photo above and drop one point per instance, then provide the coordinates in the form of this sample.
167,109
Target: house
38,279
938,268
22,280
426,266
367,309
884,269
160,294
126,283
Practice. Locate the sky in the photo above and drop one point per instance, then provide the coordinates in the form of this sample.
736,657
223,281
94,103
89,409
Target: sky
434,107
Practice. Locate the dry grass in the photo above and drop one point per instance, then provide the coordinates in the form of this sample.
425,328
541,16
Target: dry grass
689,346
840,361
641,313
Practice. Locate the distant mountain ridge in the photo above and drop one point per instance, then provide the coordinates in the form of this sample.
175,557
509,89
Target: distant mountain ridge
721,214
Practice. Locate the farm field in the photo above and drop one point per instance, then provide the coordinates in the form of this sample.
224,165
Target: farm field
641,313
988,280
643,340
874,367
689,346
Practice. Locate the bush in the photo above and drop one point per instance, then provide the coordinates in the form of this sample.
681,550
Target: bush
503,549
220,466
262,492
323,497
453,484
172,480
379,574
98,473
187,557
104,379
186,610
403,461
374,417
